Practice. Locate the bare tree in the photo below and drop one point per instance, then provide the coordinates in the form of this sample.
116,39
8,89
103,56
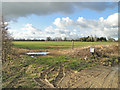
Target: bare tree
6,41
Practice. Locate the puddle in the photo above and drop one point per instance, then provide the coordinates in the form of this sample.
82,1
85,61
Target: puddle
33,56
37,53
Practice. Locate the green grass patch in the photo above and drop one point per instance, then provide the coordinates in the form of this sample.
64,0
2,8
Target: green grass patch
79,65
50,60
56,44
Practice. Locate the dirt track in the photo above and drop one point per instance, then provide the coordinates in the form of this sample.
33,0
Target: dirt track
61,77
100,77
97,77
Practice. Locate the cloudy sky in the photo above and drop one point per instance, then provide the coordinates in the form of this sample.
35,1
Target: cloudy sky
30,20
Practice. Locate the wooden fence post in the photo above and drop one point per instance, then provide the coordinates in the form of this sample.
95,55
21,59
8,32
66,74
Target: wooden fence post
72,44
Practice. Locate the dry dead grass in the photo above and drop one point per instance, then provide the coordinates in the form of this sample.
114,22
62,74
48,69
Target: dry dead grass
81,52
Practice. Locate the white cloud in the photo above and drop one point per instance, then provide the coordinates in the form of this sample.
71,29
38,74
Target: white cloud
112,20
27,32
101,27
62,23
49,30
66,27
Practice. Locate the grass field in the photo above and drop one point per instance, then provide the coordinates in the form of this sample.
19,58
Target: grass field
56,44
21,70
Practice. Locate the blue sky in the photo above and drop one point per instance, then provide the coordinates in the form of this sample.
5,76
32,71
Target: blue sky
41,20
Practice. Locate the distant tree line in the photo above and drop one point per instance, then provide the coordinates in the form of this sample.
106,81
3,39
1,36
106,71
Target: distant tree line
92,39
82,39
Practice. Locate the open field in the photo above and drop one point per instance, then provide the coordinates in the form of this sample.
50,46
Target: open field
63,67
56,44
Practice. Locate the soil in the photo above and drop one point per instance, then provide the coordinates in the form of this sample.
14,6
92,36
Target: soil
99,77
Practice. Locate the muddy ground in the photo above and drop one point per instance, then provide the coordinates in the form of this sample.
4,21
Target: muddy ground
98,77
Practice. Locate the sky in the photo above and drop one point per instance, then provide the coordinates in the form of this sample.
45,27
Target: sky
38,20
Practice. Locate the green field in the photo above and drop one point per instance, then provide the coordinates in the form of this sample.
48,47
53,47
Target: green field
56,44
20,70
